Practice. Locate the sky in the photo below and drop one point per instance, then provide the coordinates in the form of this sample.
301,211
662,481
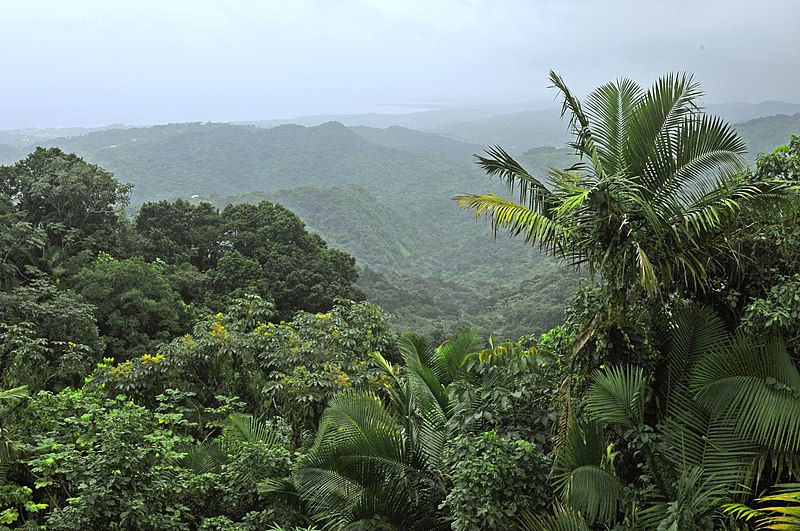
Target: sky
98,62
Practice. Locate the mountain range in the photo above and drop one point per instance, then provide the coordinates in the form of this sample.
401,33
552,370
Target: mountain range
382,193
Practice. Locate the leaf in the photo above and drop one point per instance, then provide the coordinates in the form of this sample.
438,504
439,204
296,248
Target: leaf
618,396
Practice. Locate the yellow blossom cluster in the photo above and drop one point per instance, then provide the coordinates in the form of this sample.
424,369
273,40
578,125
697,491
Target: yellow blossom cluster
147,359
218,329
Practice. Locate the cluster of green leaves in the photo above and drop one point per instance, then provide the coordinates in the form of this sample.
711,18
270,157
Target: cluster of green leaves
102,463
57,212
245,394
493,478
261,249
147,281
48,336
135,304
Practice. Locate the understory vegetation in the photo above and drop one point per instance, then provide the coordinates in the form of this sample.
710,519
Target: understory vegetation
221,368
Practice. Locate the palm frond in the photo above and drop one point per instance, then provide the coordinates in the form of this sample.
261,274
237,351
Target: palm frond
204,458
704,145
15,393
655,124
785,516
398,390
8,447
329,496
757,385
427,389
281,487
244,428
414,346
609,109
562,519
433,435
618,396
578,122
692,437
449,362
647,273
353,422
536,228
696,496
690,333
362,464
583,474
594,492
532,192
706,152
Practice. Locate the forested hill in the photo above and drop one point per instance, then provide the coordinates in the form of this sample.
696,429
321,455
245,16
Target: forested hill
182,160
383,195
399,170
763,135
434,280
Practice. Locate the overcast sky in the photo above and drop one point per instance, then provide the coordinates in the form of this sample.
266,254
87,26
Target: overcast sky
84,63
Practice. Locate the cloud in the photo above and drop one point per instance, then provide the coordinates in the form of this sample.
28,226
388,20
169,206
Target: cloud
95,62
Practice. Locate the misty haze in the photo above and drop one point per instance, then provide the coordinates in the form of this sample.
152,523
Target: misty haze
399,265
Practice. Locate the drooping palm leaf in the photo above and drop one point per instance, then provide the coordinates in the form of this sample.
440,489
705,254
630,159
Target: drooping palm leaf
584,476
536,228
578,122
15,393
532,192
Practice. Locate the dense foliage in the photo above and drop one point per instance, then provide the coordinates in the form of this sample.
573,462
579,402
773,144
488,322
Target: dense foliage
197,368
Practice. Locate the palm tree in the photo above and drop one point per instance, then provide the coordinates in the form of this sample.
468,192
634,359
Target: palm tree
727,416
375,465
657,183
